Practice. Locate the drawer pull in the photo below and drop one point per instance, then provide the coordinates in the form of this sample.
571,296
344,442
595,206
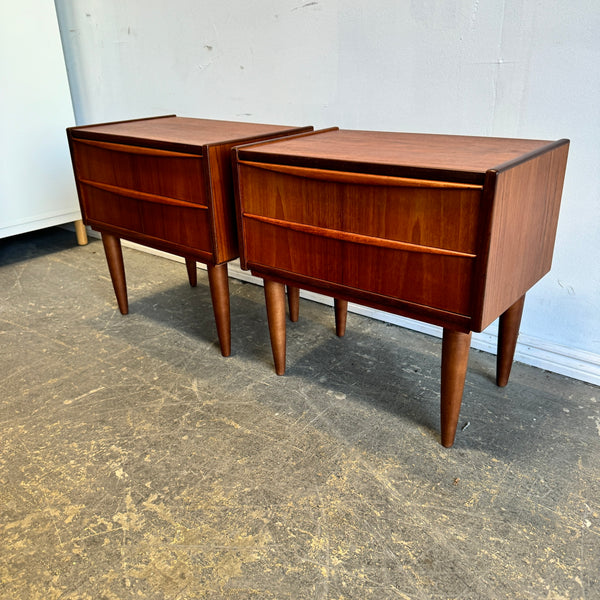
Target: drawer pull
136,149
113,189
357,238
360,178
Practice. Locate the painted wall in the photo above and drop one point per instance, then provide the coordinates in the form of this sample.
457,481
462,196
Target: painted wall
519,68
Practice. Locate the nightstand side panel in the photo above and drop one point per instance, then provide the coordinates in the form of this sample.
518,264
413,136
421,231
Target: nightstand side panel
523,223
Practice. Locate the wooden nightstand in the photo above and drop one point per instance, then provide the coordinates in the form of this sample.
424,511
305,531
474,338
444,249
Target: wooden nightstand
165,182
450,230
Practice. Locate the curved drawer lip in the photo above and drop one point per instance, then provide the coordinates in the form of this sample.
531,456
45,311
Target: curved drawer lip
357,238
359,178
247,155
129,193
132,149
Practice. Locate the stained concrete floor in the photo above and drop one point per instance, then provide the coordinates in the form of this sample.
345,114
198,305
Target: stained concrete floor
136,462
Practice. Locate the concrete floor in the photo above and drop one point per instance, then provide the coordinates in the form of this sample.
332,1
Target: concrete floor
136,462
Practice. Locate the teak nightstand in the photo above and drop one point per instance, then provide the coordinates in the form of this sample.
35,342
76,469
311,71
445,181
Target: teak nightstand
165,182
450,230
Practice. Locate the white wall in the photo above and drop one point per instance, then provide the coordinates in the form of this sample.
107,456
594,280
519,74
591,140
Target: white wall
515,68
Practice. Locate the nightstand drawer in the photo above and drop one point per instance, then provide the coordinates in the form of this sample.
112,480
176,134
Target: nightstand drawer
161,172
175,222
434,280
429,214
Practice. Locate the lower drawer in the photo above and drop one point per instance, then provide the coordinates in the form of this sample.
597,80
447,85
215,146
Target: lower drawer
184,225
433,280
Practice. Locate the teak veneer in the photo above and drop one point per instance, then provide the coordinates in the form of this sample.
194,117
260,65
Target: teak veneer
451,230
166,182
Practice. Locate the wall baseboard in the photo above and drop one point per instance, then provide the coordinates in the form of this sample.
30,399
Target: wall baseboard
577,364
537,352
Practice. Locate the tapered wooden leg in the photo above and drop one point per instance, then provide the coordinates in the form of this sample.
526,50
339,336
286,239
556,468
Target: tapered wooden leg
508,332
116,268
219,293
293,294
275,300
341,315
455,356
80,232
190,265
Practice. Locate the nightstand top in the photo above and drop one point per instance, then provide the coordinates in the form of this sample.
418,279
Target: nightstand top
182,133
448,157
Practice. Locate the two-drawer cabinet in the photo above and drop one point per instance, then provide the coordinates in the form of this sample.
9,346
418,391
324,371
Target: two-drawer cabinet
166,182
450,230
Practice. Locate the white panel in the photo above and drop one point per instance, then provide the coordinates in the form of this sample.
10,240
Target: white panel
36,181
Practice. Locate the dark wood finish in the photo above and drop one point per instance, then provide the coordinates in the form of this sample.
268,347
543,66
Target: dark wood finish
114,259
508,332
219,291
166,182
455,357
442,158
190,265
275,301
451,230
522,201
341,315
346,234
341,309
293,294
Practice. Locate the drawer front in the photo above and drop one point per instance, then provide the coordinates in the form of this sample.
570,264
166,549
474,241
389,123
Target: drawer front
431,280
413,241
429,214
160,172
179,224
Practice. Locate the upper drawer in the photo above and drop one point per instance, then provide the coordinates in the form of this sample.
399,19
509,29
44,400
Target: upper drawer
159,172
362,208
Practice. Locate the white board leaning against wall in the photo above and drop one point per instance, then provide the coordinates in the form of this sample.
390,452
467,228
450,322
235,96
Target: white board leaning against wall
37,188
